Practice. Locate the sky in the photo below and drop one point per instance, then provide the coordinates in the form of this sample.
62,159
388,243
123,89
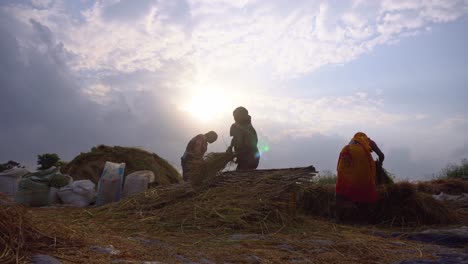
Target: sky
153,74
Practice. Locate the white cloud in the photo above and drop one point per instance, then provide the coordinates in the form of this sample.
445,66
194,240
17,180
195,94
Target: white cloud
244,47
326,115
290,40
451,123
99,93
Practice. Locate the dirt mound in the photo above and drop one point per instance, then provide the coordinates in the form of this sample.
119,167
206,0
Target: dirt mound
89,166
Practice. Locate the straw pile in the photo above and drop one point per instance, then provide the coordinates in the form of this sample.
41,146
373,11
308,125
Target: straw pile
18,236
448,186
202,171
248,200
89,166
399,204
318,199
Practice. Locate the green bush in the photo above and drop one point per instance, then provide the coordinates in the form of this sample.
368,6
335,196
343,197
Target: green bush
326,177
455,171
47,160
10,165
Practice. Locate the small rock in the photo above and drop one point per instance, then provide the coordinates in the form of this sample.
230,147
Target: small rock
107,250
44,259
184,259
206,261
252,259
135,262
286,247
147,242
396,243
443,258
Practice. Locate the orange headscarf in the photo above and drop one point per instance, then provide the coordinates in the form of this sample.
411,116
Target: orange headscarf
364,140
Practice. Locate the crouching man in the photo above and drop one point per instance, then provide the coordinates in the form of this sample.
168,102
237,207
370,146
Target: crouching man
195,150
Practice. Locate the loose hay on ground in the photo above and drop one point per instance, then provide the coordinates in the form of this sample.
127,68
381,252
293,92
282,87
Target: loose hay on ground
243,201
19,237
399,204
448,186
402,204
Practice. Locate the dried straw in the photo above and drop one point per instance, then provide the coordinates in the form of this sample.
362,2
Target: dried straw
18,236
399,204
448,186
202,171
261,203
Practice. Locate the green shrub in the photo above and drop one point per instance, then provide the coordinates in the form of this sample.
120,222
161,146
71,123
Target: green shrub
326,177
10,165
47,160
455,171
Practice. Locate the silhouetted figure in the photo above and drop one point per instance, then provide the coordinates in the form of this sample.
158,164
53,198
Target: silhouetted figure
356,182
195,150
244,140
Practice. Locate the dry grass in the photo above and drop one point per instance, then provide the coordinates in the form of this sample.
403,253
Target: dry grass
309,241
19,237
399,205
199,224
245,202
318,199
448,186
203,171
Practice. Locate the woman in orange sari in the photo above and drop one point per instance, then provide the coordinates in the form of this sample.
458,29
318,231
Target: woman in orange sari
356,180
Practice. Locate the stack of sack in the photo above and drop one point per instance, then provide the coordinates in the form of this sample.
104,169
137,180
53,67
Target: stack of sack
111,187
34,188
9,181
78,193
49,186
137,182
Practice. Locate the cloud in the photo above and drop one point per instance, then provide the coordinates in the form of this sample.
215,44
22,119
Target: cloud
302,117
117,72
45,110
292,40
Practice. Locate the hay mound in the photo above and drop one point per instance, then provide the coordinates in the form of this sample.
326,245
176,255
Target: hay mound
252,200
399,204
448,186
318,199
18,236
402,204
205,170
89,166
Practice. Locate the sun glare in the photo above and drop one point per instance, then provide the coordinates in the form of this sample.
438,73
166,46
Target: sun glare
207,105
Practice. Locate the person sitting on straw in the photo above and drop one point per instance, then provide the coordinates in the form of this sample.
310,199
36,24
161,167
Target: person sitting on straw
356,181
244,140
195,150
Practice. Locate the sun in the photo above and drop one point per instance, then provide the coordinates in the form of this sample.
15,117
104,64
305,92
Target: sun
207,105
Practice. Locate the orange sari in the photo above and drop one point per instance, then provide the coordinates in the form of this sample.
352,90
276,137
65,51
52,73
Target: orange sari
357,172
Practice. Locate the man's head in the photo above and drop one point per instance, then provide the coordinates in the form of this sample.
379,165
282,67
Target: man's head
211,137
241,114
